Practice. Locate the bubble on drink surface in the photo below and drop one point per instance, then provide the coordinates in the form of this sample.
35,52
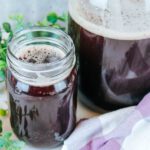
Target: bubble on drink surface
128,16
39,54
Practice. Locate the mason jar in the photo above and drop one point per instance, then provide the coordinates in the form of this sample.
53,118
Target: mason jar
42,85
112,40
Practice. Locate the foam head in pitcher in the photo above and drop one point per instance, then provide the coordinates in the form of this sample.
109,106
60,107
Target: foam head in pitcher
118,19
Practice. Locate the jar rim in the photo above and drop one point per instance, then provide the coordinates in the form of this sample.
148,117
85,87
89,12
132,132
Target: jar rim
43,73
26,30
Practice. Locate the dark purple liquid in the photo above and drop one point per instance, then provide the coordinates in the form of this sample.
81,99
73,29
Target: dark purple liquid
112,73
43,116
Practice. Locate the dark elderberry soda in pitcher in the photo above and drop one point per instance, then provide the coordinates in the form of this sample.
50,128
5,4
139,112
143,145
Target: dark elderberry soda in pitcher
112,39
42,84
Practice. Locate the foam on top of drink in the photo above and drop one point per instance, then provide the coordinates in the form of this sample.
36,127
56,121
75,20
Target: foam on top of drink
39,54
119,19
43,54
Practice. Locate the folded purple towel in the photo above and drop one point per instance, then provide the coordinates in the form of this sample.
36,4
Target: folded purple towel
125,129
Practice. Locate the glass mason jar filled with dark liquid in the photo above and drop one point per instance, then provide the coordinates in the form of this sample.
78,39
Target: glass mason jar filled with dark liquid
112,40
42,85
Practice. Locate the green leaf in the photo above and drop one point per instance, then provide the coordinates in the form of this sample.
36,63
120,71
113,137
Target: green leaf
0,35
7,27
7,135
56,26
3,112
10,36
2,142
1,50
4,44
63,18
43,23
2,64
17,17
8,144
3,53
52,17
1,129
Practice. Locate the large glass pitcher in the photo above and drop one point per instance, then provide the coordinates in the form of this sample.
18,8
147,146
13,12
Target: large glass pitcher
113,44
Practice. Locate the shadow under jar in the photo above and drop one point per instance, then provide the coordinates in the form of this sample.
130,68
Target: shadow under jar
113,51
42,85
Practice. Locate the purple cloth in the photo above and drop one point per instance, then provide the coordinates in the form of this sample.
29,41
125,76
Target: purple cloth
124,129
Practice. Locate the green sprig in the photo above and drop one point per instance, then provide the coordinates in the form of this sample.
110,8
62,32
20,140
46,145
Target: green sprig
3,47
54,20
7,143
3,112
